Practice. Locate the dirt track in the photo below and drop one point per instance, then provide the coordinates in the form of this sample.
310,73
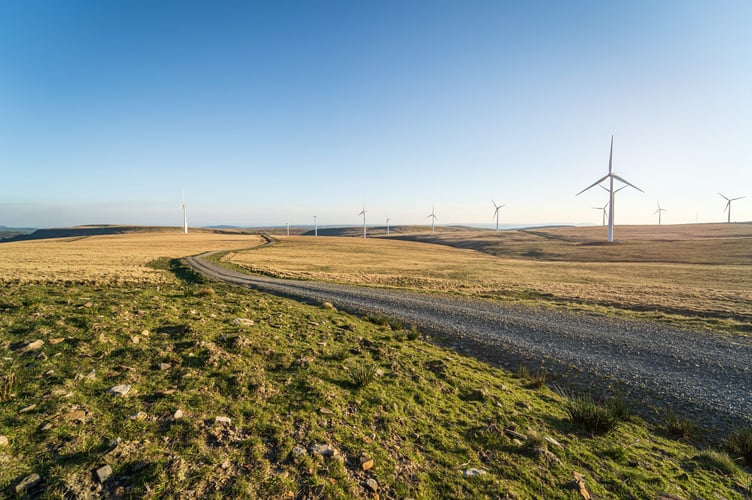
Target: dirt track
702,374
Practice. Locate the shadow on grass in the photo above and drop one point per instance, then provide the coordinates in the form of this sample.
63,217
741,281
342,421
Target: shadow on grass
180,269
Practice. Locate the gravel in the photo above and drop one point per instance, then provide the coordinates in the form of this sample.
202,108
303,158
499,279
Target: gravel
703,375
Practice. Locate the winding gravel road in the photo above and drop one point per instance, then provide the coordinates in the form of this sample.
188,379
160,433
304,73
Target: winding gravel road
701,374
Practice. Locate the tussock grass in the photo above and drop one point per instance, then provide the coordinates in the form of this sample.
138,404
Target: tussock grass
681,427
739,443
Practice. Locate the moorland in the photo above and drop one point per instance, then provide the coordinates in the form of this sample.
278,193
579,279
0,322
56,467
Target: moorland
125,374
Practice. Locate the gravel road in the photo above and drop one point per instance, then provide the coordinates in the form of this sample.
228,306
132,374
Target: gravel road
700,374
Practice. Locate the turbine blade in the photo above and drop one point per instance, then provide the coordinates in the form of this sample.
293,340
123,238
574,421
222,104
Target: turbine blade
739,198
611,155
723,197
628,183
594,184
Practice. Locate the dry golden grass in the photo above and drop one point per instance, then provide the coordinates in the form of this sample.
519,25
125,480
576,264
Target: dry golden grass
120,258
721,291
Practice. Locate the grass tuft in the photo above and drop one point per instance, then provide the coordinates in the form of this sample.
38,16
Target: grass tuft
593,417
717,460
6,386
680,427
740,444
362,374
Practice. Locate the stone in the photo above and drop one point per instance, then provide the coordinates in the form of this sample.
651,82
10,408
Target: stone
325,411
164,366
579,480
88,304
324,450
514,434
135,339
145,333
138,416
366,463
120,390
74,416
554,442
223,420
28,483
27,409
4,441
178,414
473,472
298,451
56,341
91,375
372,485
32,346
243,322
103,473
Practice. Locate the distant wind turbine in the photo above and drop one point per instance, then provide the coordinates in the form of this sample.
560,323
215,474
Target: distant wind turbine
728,205
363,213
659,213
433,217
610,176
387,225
315,227
497,208
603,209
288,227
185,216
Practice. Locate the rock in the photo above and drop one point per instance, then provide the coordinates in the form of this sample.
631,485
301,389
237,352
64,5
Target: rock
372,485
27,409
103,473
32,346
56,341
366,463
28,483
164,366
178,414
223,420
46,426
135,339
473,472
514,434
4,441
324,450
145,333
243,322
553,441
298,451
138,416
579,480
88,304
74,416
120,390
325,411
91,375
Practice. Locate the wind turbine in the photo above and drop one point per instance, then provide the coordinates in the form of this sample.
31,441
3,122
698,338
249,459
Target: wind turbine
659,212
603,208
728,205
185,216
433,217
497,208
387,225
287,223
363,213
315,227
610,176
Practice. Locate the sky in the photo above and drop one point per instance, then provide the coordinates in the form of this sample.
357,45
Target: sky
263,113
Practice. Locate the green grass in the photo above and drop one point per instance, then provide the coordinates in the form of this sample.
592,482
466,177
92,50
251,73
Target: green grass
289,382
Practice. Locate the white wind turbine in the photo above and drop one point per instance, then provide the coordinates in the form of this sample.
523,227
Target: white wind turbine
659,211
287,223
315,227
185,216
433,217
363,213
387,225
497,208
603,209
610,176
728,205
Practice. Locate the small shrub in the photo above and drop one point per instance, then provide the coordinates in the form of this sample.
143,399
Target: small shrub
538,379
740,444
413,333
619,408
523,372
6,386
206,292
679,427
718,460
377,319
590,416
363,374
397,324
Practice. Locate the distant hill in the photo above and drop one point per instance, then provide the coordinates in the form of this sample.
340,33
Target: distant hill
95,230
10,232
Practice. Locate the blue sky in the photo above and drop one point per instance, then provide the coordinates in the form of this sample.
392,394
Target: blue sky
263,112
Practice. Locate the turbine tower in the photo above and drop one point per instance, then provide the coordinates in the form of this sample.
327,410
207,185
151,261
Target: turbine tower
433,217
659,211
185,216
315,227
287,223
363,213
603,209
387,225
497,208
728,205
610,176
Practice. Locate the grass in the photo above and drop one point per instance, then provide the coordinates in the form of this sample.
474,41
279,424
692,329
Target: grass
695,276
739,444
281,383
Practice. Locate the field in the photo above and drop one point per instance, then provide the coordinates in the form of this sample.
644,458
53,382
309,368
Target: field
125,375
118,258
699,275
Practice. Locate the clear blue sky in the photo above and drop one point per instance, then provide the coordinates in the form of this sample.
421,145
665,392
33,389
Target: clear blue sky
270,111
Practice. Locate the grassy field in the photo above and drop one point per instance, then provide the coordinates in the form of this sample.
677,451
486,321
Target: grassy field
231,393
697,275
